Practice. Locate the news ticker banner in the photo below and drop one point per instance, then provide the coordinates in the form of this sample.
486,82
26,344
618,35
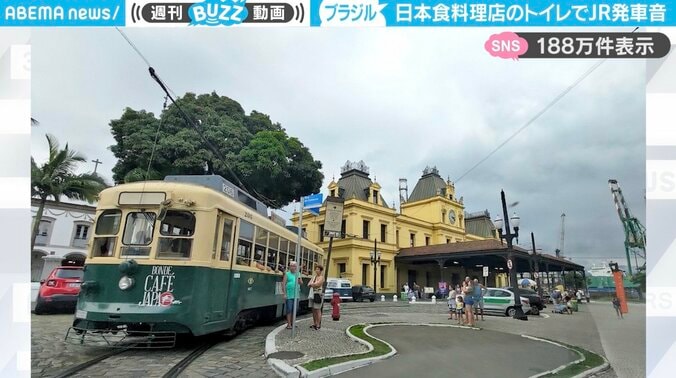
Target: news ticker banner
322,13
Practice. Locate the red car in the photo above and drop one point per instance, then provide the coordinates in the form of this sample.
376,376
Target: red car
59,290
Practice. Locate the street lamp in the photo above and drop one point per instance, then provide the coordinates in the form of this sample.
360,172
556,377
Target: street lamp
509,237
375,260
536,260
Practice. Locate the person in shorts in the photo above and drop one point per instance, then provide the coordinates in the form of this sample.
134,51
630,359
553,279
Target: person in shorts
290,284
459,308
316,297
468,292
478,299
451,304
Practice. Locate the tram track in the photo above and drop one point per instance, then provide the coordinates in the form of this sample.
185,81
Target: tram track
193,352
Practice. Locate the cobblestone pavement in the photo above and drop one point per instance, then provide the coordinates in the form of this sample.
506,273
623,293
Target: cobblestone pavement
49,352
240,356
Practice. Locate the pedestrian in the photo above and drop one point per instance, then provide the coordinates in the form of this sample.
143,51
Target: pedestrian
406,287
290,284
478,299
616,306
578,295
316,297
416,289
569,304
468,299
459,308
452,304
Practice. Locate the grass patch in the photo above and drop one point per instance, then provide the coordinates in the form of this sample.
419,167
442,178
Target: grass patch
379,349
591,360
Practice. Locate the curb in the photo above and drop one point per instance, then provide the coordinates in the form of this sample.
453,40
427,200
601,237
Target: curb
279,366
350,365
283,369
584,374
355,364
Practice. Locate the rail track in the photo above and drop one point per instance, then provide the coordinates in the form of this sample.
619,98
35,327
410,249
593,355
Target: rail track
203,344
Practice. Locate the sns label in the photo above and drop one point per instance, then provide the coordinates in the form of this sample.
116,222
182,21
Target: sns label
506,45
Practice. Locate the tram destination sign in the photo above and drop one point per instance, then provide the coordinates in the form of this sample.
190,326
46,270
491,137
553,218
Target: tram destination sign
333,222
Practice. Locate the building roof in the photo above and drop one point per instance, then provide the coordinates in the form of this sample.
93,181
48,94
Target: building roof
458,247
479,224
428,186
478,247
355,182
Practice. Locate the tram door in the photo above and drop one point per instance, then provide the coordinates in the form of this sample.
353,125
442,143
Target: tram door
219,287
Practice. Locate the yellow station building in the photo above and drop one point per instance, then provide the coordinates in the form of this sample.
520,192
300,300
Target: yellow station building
431,215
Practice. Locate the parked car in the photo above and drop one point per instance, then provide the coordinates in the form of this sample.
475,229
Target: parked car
536,303
59,291
501,302
340,285
359,293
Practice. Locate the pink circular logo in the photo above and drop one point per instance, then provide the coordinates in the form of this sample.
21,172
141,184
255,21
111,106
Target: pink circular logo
166,299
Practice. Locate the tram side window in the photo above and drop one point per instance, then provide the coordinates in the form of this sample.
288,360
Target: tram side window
283,253
261,244
245,242
292,252
227,237
273,246
108,223
304,255
138,234
176,233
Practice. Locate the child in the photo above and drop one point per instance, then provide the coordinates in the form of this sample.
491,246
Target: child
460,306
616,305
451,304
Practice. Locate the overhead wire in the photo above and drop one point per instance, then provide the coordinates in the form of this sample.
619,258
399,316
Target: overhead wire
537,115
170,94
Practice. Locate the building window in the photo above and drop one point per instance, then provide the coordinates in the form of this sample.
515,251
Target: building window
44,231
375,196
333,192
412,240
383,232
365,229
397,238
341,269
80,235
382,276
343,227
321,232
427,240
443,216
364,274
448,240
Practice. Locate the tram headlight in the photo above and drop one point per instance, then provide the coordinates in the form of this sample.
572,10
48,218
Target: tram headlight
125,283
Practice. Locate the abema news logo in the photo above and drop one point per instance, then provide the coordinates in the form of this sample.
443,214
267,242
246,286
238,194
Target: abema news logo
62,13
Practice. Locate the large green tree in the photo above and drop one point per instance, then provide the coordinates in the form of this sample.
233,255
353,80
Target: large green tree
228,142
56,178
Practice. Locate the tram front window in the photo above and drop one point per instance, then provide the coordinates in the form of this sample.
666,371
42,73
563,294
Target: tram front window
138,234
107,226
175,235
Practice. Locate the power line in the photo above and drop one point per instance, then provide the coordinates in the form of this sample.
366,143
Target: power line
191,122
537,115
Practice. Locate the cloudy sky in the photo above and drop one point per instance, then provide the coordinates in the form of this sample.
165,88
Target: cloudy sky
399,99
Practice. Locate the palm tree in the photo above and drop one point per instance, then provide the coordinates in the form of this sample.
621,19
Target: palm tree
56,178
34,122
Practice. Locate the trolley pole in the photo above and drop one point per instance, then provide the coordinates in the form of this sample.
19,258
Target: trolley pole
297,286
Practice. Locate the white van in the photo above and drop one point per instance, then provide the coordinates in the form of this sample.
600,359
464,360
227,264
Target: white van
340,285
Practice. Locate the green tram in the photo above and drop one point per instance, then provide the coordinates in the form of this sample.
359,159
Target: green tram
187,255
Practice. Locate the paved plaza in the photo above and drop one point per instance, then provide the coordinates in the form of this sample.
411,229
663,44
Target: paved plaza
594,327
